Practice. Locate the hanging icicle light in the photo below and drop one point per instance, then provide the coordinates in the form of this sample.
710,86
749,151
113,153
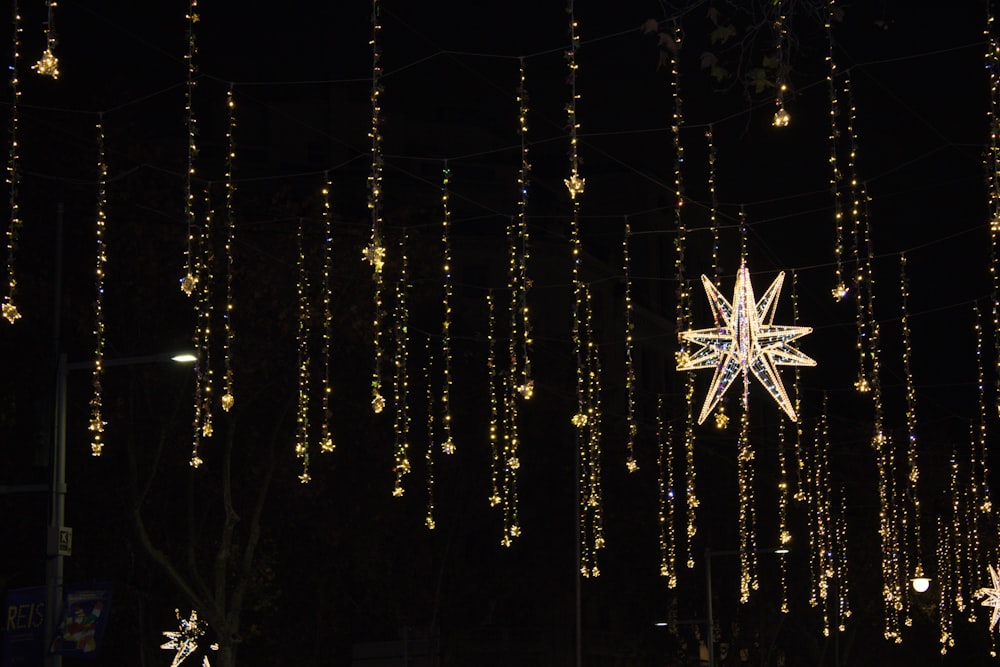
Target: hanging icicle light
9,308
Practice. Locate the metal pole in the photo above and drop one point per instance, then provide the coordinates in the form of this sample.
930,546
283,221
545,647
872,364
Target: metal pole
709,639
54,561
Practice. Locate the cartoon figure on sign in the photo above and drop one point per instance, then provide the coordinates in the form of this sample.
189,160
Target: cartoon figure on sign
80,629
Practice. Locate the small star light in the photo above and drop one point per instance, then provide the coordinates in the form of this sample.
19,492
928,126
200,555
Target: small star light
781,118
746,342
47,65
992,596
839,292
574,184
378,402
10,311
185,641
188,283
374,254
579,419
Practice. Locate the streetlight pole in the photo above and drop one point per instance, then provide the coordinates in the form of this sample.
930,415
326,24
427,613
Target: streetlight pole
59,538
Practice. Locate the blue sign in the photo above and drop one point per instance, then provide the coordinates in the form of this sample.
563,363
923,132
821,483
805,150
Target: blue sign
83,621
24,627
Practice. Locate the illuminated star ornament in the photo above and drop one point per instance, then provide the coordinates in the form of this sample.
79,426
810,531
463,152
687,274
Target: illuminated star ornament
745,341
992,596
185,640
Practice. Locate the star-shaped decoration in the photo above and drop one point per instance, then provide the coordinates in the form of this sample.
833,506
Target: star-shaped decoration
745,342
374,254
185,640
47,65
575,185
10,311
992,596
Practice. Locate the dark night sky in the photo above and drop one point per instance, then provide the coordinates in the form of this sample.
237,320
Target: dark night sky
352,564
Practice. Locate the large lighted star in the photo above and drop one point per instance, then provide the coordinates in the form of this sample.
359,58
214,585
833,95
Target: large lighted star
185,641
992,596
745,341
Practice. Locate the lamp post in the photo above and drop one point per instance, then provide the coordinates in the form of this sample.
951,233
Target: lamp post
59,538
709,639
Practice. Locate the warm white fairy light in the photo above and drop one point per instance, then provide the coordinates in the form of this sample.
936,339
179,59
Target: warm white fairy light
520,245
745,342
431,435
374,253
825,544
304,371
781,116
991,164
981,447
747,512
326,443
666,497
840,566
97,400
957,556
9,308
946,582
185,640
840,289
591,491
513,393
631,423
191,276
913,462
784,535
48,64
228,399
401,376
448,446
861,252
203,334
492,374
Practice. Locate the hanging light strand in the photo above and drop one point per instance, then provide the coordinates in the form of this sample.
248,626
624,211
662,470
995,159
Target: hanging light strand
991,160
48,64
592,510
747,514
448,446
840,288
913,462
228,398
841,571
985,504
713,207
631,422
304,361
666,497
9,308
862,261
191,275
97,400
374,253
781,115
946,584
493,434
511,396
784,535
202,259
401,379
431,435
520,245
326,443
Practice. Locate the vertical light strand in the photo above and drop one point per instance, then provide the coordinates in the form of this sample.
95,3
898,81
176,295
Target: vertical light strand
946,584
747,515
825,526
304,375
448,446
401,378
48,64
784,535
781,115
666,497
9,308
971,500
683,294
431,435
721,418
631,423
593,506
191,275
97,400
374,253
840,289
814,519
492,373
512,394
841,569
957,555
991,165
228,397
912,458
201,258
862,261
520,246
800,494
985,506
326,443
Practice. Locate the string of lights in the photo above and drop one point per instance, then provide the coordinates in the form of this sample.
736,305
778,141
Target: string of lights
840,288
326,443
784,534
191,275
946,587
448,446
666,497
374,253
304,362
401,378
431,435
97,399
631,422
781,115
492,375
9,308
520,284
228,398
747,512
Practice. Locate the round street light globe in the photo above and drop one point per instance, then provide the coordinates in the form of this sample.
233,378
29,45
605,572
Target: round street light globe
921,584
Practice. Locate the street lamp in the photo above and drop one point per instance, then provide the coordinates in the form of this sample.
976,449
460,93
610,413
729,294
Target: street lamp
59,539
709,639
